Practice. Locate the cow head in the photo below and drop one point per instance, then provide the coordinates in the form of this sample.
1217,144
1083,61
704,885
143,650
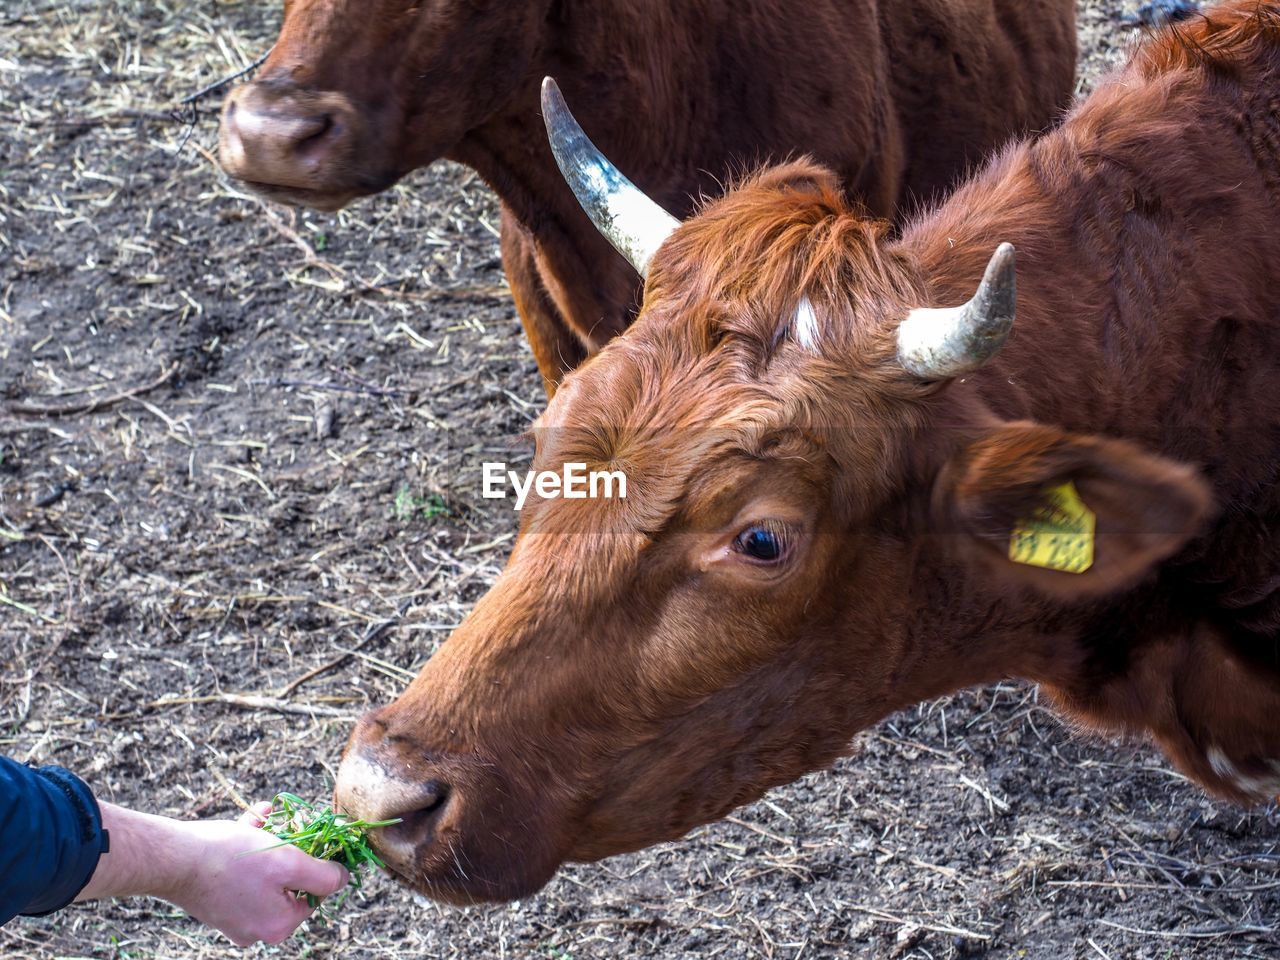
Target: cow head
816,532
357,93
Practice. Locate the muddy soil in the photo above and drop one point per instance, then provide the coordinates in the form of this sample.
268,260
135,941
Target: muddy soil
234,440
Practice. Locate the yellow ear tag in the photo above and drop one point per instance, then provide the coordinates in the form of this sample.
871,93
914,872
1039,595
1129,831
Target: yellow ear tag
1059,536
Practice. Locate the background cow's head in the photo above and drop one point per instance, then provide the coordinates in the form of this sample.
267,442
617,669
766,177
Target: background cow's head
357,93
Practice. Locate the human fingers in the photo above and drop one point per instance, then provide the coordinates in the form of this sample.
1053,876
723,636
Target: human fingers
286,920
256,815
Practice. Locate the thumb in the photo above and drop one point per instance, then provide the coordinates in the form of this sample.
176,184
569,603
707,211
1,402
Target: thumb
318,877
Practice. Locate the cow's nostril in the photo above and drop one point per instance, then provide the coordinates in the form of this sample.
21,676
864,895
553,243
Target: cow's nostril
418,823
435,796
319,129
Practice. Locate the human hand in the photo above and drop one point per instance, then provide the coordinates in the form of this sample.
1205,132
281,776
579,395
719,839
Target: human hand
246,885
230,874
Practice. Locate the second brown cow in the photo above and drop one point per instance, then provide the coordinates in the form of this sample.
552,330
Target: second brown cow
897,98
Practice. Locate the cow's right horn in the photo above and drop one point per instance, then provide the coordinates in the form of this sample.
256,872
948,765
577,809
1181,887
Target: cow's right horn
941,343
628,219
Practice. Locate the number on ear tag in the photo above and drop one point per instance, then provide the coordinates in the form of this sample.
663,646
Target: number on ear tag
1058,536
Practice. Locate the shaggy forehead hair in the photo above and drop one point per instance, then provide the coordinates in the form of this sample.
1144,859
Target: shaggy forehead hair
734,275
715,350
713,366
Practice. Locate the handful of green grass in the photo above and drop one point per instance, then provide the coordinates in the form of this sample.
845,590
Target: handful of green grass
325,834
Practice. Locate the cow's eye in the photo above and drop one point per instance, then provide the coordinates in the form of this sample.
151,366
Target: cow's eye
761,542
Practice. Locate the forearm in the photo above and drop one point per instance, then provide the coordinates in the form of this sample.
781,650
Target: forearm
149,855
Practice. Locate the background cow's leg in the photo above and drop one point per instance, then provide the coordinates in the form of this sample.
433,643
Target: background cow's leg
555,346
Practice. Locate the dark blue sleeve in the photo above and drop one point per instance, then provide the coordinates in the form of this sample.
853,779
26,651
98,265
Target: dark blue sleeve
53,837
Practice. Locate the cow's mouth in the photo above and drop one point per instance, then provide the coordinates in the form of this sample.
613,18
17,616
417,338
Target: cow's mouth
458,891
434,890
323,200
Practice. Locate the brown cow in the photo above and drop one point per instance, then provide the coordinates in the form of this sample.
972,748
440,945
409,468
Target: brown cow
841,502
897,98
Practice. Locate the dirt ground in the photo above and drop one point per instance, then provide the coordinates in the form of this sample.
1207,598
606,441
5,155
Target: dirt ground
234,442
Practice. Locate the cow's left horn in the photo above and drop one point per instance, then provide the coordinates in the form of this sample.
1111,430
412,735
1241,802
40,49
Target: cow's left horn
633,223
937,344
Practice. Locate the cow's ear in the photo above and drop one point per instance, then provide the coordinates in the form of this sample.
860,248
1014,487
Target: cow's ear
1068,514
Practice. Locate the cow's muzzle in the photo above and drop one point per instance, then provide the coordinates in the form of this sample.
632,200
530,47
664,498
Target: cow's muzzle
298,146
368,790
466,834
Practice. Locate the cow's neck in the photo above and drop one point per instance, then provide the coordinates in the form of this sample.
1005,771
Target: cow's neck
630,115
1084,354
983,638
588,282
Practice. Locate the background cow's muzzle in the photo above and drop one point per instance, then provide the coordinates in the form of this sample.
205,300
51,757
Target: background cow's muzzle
297,145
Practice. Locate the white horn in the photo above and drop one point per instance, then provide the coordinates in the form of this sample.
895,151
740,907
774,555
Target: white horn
628,219
938,344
